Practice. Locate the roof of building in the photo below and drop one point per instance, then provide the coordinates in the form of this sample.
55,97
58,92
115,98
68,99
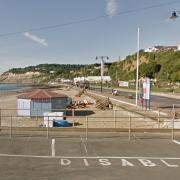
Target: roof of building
41,94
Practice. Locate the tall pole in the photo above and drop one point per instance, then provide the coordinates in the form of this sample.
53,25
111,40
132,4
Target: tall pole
116,75
137,68
102,67
102,71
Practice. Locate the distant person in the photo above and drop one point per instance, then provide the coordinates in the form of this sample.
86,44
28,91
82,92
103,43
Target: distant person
112,91
115,92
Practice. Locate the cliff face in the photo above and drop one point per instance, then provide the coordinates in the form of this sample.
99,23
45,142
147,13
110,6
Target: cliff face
26,78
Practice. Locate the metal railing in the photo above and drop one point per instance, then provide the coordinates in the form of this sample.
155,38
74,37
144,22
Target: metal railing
86,121
13,124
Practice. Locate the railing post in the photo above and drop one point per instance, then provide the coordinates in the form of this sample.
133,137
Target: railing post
173,108
73,116
48,128
158,118
10,133
172,134
86,128
37,115
114,118
0,118
130,127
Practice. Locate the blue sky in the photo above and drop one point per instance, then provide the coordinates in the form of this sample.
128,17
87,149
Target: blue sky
115,35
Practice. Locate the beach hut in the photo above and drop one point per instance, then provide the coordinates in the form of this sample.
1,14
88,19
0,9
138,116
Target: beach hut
37,102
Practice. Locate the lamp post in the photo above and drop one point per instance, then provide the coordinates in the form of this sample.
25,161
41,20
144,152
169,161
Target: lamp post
102,67
137,68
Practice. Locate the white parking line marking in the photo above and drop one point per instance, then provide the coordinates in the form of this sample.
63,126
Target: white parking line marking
89,157
177,142
86,162
84,145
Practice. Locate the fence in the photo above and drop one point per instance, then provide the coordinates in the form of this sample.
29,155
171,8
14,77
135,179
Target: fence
89,122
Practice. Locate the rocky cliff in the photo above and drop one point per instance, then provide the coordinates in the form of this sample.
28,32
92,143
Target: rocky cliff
25,78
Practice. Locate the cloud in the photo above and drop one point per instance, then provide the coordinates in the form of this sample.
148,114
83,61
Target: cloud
36,39
111,7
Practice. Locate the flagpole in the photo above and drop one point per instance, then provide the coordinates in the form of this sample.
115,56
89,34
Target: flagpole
137,68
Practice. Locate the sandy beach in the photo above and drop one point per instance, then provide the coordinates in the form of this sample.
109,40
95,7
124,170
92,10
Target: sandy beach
96,118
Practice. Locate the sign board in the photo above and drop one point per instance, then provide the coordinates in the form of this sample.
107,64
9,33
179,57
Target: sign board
123,83
146,88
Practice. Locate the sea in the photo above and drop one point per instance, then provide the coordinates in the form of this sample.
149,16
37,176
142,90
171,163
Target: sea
11,87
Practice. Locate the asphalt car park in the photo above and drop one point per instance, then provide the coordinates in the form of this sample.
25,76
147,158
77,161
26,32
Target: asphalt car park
99,157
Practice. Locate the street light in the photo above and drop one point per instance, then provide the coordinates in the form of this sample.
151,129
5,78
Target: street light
102,66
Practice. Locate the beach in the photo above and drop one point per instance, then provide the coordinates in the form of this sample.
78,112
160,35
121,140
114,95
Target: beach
117,117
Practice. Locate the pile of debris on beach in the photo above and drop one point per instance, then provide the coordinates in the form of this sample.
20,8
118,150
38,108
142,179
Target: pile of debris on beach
101,102
83,102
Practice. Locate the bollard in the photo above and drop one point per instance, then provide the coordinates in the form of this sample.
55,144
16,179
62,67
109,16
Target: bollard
86,128
48,128
129,127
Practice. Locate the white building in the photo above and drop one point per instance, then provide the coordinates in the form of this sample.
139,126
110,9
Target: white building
92,79
163,48
178,47
151,49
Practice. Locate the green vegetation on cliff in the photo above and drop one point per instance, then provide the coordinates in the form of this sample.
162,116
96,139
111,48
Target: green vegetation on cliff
163,66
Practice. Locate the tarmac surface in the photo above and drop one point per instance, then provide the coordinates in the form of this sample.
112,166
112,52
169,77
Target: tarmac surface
101,156
158,100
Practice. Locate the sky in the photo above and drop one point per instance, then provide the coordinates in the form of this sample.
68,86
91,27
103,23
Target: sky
76,31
